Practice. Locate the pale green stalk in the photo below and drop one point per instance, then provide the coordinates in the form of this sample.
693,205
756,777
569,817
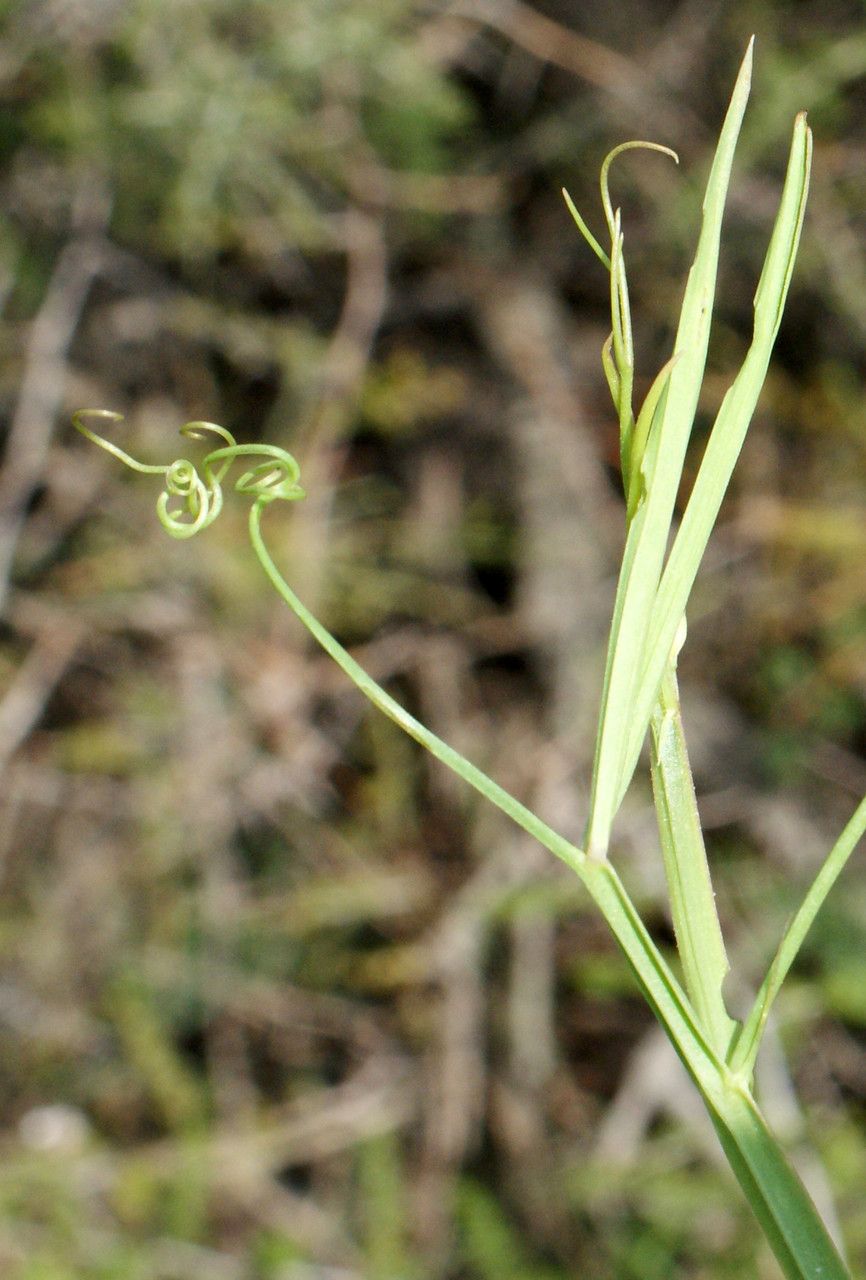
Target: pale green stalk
640,689
700,944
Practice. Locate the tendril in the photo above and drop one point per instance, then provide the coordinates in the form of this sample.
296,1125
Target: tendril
192,498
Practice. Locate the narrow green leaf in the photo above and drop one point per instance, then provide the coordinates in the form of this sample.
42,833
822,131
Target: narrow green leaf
623,587
700,944
776,1196
788,1217
628,637
748,1042
724,445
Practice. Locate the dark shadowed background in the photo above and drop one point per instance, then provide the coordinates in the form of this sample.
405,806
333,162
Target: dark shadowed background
279,998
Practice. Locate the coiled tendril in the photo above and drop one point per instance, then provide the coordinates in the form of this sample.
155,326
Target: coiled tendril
198,496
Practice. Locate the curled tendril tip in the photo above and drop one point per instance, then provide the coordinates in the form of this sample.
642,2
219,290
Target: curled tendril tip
193,497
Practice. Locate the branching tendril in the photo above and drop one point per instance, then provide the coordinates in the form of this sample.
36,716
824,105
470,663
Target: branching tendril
193,497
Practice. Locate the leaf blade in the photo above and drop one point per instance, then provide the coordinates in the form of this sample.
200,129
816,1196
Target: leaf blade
630,627
725,442
748,1042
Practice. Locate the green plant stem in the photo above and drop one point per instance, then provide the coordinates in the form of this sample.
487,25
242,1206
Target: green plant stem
698,933
791,1223
781,1204
569,853
775,1193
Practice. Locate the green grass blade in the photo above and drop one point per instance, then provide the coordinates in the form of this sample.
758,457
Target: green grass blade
776,1195
628,636
746,1048
632,541
725,442
700,944
782,1206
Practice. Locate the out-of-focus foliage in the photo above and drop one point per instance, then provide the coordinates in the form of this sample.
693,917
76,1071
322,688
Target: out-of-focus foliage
217,127
277,999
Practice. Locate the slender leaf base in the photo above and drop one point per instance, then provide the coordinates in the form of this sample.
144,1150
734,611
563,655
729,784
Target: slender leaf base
690,890
779,1200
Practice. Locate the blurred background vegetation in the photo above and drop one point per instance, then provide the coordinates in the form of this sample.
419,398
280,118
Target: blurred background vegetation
278,999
